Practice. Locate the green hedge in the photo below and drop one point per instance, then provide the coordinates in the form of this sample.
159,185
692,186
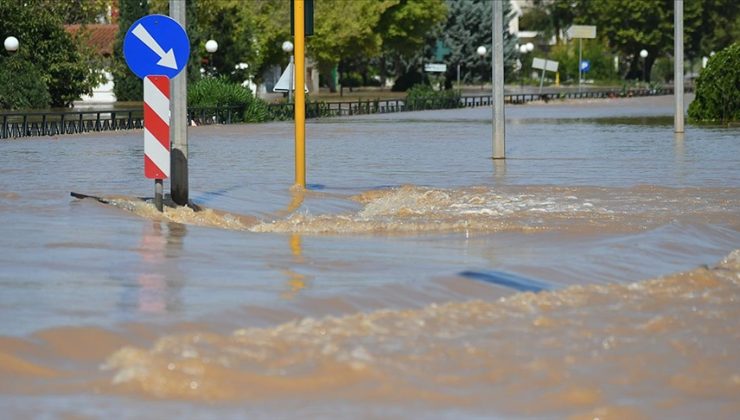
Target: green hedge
718,88
421,97
213,92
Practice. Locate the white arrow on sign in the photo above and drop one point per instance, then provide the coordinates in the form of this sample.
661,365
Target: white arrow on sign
167,59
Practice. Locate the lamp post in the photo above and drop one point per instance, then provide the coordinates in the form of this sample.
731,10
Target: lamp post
482,53
524,49
644,54
288,48
11,44
211,47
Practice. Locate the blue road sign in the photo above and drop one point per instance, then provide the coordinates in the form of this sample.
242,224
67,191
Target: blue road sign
585,66
156,45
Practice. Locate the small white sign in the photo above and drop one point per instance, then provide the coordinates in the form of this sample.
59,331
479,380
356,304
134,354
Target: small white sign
581,31
285,83
435,68
544,64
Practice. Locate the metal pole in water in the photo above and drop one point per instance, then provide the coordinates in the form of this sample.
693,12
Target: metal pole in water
678,122
497,59
158,189
580,59
179,121
291,86
300,95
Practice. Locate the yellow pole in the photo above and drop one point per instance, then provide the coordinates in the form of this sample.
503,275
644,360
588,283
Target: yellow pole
300,96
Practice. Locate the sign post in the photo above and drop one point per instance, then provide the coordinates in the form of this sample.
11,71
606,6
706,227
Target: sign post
580,32
156,49
157,133
544,65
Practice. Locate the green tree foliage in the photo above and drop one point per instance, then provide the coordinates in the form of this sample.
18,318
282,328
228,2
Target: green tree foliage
62,64
405,28
633,25
21,85
127,86
468,26
717,88
231,23
77,11
629,26
345,30
595,51
550,18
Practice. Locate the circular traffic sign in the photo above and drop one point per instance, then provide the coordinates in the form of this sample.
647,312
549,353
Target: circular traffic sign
156,45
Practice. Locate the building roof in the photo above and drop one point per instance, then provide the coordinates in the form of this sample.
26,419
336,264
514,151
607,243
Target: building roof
100,36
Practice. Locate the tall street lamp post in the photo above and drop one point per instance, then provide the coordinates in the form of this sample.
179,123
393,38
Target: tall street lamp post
644,54
288,48
211,47
524,49
482,53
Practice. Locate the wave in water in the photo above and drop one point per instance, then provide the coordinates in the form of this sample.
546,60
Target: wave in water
652,348
415,209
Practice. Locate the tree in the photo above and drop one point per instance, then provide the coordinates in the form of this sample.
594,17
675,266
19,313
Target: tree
404,28
345,31
60,59
127,86
550,18
468,26
632,25
78,11
21,85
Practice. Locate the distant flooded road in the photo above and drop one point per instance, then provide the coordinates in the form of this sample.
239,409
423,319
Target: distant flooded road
593,273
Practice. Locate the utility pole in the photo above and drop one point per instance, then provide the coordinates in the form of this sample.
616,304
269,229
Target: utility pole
300,94
678,66
179,121
497,58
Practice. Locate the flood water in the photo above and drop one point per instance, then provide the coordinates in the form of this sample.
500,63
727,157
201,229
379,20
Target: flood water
595,273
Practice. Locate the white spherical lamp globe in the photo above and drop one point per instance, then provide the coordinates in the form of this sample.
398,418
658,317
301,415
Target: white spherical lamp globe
643,53
211,46
287,46
11,44
481,50
530,46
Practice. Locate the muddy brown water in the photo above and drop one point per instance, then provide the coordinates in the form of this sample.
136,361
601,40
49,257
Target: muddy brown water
594,273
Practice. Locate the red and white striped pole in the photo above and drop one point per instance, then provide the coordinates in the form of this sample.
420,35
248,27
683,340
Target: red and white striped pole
157,133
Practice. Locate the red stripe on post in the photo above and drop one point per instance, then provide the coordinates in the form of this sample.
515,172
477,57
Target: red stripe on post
155,125
162,83
151,170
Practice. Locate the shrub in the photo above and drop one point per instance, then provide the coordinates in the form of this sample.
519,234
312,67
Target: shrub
717,88
22,85
422,97
213,92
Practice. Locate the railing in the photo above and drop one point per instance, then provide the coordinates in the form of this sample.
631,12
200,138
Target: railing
30,124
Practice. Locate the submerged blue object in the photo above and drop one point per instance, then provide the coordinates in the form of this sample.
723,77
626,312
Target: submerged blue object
512,281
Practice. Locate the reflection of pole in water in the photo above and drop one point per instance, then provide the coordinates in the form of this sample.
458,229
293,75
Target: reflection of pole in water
155,283
679,154
296,281
499,170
